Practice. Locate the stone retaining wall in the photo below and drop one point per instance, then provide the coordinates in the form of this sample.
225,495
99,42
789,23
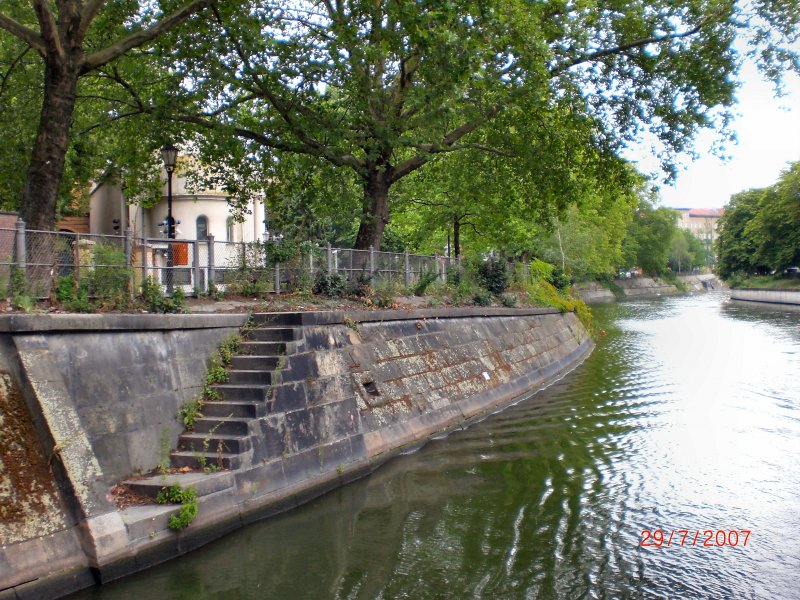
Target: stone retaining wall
355,389
779,297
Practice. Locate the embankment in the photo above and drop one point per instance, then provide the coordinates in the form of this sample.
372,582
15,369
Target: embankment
643,287
785,298
91,400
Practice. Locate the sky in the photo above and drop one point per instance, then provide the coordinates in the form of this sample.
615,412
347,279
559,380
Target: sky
768,139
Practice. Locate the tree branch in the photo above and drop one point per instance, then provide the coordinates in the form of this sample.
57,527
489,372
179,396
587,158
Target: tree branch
89,13
48,28
592,56
11,67
446,145
101,57
29,36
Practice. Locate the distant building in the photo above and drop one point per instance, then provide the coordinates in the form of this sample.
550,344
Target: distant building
701,222
200,214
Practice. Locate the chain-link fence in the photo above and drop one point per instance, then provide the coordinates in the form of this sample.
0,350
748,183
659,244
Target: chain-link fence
36,260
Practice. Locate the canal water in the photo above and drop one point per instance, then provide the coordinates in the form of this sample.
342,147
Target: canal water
680,432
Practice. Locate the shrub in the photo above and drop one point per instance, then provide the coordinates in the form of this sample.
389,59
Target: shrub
482,298
21,297
73,298
156,302
560,279
110,278
426,278
509,300
454,275
329,284
492,274
361,286
541,270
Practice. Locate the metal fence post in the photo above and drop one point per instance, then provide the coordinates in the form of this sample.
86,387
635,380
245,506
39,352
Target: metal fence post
21,254
196,268
211,278
77,259
372,261
407,268
329,251
129,259
128,247
277,277
144,259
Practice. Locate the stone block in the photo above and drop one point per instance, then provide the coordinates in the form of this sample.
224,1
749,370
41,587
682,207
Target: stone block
289,397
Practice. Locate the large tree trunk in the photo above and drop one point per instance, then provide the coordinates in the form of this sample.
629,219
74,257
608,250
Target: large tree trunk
375,213
40,195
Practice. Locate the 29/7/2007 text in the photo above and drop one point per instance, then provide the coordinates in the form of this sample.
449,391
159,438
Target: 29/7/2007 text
708,538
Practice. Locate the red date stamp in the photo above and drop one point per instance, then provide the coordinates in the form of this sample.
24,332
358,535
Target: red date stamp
706,538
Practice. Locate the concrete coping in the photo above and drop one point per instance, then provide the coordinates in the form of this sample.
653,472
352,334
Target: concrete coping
777,291
31,323
117,322
336,317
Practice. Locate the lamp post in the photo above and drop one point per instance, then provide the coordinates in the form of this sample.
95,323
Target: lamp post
169,154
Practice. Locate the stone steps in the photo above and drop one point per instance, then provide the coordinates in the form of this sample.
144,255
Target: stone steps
221,436
251,410
212,443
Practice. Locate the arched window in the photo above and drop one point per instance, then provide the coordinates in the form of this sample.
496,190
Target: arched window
229,229
202,227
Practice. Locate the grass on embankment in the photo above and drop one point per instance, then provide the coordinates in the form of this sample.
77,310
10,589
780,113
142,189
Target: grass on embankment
764,283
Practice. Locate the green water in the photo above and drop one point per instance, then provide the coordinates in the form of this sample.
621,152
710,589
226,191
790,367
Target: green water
685,417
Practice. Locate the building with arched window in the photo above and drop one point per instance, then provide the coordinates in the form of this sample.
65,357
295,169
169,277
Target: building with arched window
199,214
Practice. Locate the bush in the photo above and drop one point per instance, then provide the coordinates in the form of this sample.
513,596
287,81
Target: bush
329,284
492,274
454,275
74,298
541,270
509,300
560,279
482,298
426,278
281,251
361,287
110,278
156,302
21,296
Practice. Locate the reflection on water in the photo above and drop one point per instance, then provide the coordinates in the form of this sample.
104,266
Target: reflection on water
686,417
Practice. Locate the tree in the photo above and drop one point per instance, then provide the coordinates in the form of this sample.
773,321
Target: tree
775,228
386,87
74,38
760,229
736,248
650,233
679,255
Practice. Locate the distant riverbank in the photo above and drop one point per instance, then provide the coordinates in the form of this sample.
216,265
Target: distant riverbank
643,287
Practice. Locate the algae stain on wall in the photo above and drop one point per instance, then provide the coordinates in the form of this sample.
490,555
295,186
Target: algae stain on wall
29,503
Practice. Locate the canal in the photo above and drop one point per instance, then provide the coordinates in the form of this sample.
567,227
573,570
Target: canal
680,432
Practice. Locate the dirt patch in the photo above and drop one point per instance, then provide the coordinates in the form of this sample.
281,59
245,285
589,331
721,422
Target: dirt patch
29,504
124,497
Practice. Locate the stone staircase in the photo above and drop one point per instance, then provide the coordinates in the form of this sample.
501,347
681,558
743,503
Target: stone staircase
222,437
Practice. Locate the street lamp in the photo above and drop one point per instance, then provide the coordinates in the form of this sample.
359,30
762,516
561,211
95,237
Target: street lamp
169,154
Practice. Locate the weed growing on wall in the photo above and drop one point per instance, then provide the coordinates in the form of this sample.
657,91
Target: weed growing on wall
218,365
187,498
